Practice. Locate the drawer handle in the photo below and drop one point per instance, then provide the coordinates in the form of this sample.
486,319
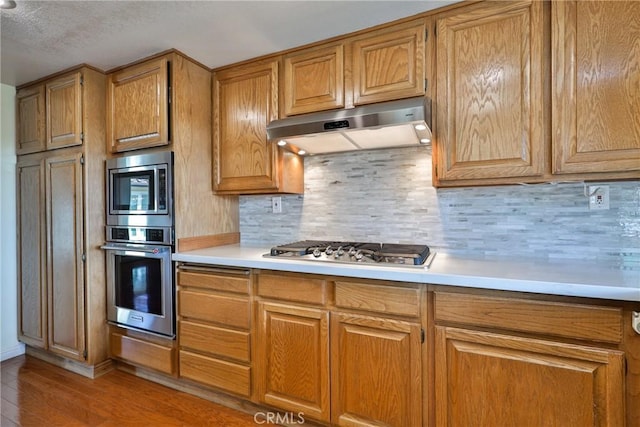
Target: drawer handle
187,268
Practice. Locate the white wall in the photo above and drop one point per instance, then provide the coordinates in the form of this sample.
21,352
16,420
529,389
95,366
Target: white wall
9,345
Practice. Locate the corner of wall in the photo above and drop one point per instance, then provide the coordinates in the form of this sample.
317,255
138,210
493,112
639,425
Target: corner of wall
9,345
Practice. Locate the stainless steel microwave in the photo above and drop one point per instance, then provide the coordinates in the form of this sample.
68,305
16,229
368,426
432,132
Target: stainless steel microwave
140,190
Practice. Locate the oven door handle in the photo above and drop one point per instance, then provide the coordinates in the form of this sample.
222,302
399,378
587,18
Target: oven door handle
129,249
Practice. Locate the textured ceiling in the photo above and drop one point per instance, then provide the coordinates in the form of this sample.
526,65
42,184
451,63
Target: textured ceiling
42,37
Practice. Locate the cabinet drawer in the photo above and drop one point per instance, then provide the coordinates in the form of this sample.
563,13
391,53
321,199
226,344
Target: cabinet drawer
293,288
142,352
216,373
549,318
211,339
378,298
216,282
226,310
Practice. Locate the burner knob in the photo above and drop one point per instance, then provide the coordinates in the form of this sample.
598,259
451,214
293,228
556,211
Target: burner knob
317,253
352,251
339,252
329,250
359,255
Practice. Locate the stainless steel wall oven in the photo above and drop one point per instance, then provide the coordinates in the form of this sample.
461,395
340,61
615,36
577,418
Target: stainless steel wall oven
140,241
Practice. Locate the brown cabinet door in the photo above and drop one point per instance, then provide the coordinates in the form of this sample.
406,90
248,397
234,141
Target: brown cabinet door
314,80
486,379
64,111
245,101
389,64
293,359
490,92
375,371
138,107
65,268
596,73
30,116
32,290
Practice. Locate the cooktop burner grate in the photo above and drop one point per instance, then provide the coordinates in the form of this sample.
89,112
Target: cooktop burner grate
354,252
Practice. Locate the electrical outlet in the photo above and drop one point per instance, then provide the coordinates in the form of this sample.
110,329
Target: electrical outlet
276,204
598,197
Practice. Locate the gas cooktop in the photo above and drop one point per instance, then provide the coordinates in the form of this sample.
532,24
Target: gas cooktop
391,254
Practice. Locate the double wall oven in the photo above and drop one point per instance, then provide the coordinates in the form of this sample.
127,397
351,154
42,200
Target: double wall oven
140,241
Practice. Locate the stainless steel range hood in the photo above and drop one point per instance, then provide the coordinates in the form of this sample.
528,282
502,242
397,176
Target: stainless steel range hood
399,123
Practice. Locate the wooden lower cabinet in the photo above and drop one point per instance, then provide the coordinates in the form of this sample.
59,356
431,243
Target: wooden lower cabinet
488,379
340,352
141,349
214,321
359,352
376,375
512,359
293,344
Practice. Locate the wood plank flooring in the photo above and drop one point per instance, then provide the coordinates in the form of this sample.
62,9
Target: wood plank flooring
36,393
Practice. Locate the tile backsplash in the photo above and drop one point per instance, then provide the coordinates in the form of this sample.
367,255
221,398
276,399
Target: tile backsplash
387,196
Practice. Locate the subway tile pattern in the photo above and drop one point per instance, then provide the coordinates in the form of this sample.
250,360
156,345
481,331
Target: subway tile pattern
387,196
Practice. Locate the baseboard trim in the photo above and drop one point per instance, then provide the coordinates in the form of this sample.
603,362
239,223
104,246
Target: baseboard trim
10,353
89,371
204,392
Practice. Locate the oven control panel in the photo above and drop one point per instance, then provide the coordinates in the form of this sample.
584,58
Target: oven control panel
161,235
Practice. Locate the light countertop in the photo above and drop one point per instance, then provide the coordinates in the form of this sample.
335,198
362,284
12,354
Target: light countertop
564,277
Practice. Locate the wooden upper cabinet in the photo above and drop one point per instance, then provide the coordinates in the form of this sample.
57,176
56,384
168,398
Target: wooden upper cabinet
490,92
30,116
50,115
489,379
314,80
64,111
389,64
138,106
596,77
245,100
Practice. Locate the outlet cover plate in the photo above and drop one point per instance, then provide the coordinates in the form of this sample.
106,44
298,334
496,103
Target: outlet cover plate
598,197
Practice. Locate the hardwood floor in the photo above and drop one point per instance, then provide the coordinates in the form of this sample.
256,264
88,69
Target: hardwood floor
36,393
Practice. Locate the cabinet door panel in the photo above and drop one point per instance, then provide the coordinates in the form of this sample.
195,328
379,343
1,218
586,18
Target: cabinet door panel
30,115
389,65
314,80
245,102
490,98
557,384
376,375
65,269
64,111
137,107
293,347
596,73
32,292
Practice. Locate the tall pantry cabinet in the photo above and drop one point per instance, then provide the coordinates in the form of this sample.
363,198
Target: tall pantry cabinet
60,214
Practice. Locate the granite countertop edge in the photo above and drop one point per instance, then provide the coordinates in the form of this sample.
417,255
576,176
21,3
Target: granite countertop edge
552,277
